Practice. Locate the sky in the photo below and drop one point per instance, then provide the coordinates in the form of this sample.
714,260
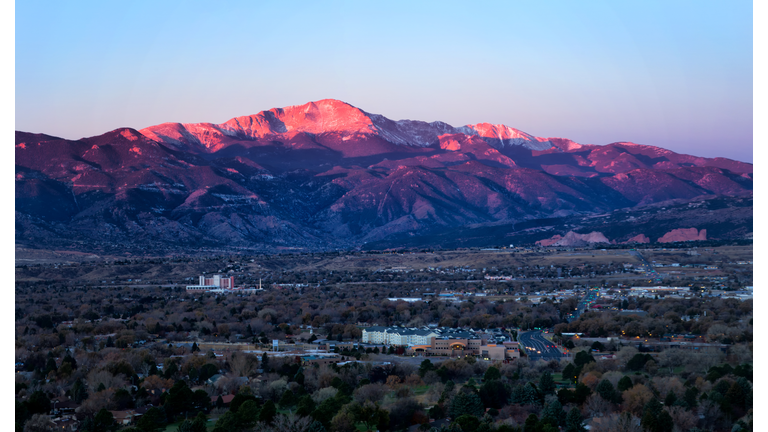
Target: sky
677,75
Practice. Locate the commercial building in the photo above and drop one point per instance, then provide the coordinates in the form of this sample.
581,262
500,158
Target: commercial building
213,283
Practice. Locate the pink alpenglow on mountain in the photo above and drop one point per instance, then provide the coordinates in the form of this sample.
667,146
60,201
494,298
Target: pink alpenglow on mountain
683,234
328,174
640,238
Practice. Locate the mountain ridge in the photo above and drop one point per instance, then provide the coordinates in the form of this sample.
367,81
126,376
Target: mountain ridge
327,174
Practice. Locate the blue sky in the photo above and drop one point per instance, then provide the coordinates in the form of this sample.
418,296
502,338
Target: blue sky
673,74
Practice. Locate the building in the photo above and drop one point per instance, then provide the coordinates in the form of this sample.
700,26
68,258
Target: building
401,336
451,347
213,283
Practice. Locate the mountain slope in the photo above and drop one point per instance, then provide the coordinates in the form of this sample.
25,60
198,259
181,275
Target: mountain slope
327,174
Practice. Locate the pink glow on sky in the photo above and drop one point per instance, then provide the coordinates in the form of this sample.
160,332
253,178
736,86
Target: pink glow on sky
671,74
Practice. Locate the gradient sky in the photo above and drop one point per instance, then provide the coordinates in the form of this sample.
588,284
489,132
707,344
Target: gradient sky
672,74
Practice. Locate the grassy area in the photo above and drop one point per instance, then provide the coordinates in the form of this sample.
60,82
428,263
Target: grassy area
420,390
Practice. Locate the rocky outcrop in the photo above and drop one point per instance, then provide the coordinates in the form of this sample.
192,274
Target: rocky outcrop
683,234
640,238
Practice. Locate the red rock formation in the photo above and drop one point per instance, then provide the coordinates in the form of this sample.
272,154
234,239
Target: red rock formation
640,238
683,234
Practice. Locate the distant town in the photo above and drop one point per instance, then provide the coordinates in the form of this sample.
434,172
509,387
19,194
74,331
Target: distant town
512,339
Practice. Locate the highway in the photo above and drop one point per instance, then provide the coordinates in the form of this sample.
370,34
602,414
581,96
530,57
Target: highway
539,348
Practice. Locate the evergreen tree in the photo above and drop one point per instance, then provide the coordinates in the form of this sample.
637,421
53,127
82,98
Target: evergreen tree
78,391
103,421
547,383
530,395
268,412
664,422
582,358
466,403
606,391
425,367
248,414
265,362
494,394
651,412
492,373
670,399
570,373
38,403
574,422
226,423
305,406
625,383
198,424
287,399
152,420
553,413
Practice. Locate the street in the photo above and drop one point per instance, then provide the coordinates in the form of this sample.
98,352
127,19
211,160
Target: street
539,348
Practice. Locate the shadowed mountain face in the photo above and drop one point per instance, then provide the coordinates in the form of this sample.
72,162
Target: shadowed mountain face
329,175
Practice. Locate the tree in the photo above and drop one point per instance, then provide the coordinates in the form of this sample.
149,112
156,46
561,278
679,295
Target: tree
78,391
122,399
638,361
651,411
287,399
248,414
239,400
198,424
582,358
494,394
38,403
226,423
570,372
38,423
305,406
625,383
265,362
553,413
268,412
152,420
547,383
466,403
622,422
574,422
468,423
103,421
606,391
492,373
371,415
425,367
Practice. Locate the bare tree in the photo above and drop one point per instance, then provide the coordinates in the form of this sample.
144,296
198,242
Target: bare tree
622,422
285,423
371,392
596,406
38,423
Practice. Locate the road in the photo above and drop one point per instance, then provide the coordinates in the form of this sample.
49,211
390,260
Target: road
539,348
584,304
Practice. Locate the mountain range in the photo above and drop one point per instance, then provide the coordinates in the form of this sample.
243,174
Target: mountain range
327,175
